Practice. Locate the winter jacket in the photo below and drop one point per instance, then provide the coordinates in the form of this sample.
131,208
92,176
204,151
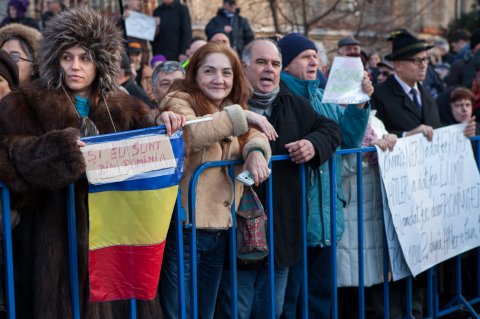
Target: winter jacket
174,32
373,229
294,119
353,123
226,137
242,33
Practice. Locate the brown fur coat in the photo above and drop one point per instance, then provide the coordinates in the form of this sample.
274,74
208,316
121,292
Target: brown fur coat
38,159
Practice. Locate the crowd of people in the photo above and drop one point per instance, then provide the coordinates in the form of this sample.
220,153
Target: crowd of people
79,77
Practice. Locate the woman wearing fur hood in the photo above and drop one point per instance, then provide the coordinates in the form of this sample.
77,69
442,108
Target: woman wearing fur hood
40,155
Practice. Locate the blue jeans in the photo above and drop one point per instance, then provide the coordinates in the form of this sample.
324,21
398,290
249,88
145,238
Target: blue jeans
253,294
211,250
319,285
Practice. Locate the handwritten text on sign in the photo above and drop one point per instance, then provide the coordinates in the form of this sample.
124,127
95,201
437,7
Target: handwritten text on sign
344,84
117,161
433,192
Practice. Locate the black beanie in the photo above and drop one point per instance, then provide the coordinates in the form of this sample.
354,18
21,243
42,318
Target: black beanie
292,45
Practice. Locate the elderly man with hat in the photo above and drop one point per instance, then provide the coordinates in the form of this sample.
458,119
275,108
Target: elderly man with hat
299,55
404,105
8,74
349,47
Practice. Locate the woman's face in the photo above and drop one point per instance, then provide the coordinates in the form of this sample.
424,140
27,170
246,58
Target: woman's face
25,65
79,70
461,110
12,11
4,87
215,77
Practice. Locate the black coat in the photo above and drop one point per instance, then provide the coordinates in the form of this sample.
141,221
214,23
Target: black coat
398,112
175,31
242,33
294,118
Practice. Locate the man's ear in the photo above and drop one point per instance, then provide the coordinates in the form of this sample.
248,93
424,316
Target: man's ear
244,65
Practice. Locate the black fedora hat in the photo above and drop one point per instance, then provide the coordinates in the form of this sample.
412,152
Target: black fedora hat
406,46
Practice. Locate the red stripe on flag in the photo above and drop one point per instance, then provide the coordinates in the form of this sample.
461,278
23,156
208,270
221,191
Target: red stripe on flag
125,272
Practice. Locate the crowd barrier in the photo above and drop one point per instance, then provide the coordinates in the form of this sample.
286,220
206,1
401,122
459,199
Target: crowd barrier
433,308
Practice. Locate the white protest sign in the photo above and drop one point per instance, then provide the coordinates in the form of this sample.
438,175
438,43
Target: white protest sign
117,161
398,266
433,192
344,84
140,26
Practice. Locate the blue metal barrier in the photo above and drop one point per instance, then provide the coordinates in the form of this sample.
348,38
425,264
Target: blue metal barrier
434,309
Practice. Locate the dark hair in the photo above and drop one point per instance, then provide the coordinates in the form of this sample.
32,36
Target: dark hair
241,90
461,93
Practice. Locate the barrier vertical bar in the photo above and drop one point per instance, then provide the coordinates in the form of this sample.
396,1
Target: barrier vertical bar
72,249
409,297
333,239
193,257
132,309
429,293
271,255
303,234
386,288
233,252
7,252
361,290
180,218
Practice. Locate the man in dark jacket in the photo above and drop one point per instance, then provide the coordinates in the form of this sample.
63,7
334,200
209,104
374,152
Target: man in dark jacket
307,137
235,26
174,32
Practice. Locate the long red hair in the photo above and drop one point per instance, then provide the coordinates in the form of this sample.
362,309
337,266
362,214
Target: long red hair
241,89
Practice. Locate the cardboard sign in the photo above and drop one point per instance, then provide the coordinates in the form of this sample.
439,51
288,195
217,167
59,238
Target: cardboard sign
344,84
117,161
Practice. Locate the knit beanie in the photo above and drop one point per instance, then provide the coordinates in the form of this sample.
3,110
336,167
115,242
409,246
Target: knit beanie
292,45
8,69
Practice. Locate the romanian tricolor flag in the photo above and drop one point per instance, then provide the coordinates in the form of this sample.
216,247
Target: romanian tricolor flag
133,180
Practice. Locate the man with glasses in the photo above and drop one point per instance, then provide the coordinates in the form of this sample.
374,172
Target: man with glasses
403,104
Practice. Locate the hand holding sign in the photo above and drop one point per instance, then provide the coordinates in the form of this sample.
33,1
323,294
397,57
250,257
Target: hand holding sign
347,83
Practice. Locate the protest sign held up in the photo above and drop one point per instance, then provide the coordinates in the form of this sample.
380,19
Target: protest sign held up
344,84
433,193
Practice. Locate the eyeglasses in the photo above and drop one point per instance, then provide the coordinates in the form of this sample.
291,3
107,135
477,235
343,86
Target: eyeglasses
16,57
384,73
419,61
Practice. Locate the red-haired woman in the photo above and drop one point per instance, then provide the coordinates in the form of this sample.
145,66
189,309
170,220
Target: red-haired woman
214,87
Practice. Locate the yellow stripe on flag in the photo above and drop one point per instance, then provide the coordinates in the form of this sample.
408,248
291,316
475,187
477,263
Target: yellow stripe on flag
130,217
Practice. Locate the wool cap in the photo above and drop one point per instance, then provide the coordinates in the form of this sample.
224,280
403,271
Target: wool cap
347,41
213,32
292,45
134,47
8,69
158,58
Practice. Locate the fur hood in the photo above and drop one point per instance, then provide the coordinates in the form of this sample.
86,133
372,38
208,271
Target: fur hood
88,29
28,34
